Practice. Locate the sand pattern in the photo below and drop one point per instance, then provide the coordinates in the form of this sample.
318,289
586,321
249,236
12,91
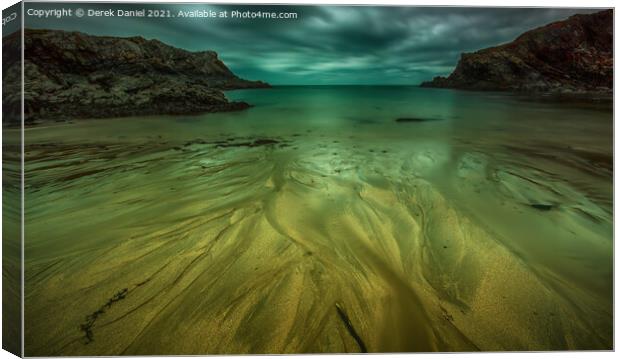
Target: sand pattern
311,242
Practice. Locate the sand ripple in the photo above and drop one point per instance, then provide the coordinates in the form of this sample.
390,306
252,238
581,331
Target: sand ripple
286,246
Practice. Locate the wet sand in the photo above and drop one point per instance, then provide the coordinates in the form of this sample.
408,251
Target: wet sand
407,236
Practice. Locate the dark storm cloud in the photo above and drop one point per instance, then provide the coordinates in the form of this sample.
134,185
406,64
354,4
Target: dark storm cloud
328,44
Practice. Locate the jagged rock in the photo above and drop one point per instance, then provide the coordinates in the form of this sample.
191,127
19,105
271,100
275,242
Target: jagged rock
74,75
571,56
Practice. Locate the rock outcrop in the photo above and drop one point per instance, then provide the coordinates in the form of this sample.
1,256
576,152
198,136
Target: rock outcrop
74,75
570,56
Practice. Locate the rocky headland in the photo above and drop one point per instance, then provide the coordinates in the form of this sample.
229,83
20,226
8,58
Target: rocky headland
573,56
74,75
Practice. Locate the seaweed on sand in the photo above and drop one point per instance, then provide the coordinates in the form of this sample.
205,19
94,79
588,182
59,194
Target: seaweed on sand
87,326
347,323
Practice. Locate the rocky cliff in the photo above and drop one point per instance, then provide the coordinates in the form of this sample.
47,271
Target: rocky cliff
570,56
74,75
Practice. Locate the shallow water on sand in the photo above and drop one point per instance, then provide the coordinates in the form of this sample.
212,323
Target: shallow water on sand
317,222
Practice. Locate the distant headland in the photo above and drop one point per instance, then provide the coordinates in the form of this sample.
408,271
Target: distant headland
74,75
572,56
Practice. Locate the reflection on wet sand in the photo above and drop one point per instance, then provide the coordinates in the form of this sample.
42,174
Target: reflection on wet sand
315,241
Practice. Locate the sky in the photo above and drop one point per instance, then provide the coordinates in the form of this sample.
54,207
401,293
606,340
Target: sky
324,45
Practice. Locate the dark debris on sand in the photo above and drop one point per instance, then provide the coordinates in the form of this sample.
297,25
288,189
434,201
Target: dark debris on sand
255,143
542,206
416,119
237,142
87,326
347,323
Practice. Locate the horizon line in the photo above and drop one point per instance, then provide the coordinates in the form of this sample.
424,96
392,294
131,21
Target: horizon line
361,85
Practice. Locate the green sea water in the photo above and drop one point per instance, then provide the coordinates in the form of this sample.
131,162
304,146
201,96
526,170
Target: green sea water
324,219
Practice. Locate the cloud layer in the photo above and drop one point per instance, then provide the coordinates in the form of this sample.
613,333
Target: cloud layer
325,44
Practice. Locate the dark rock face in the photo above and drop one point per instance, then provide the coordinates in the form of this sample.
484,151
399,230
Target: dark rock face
570,56
11,81
74,75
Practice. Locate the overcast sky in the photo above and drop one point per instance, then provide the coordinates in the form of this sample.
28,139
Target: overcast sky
325,44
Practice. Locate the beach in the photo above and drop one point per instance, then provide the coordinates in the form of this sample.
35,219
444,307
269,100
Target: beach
323,219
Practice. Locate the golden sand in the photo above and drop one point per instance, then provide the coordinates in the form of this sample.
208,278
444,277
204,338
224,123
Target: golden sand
305,244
